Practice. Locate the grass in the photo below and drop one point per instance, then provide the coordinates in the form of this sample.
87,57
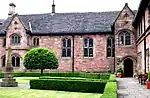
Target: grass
20,93
30,93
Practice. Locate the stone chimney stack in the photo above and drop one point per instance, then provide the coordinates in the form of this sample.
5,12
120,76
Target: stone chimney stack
11,9
53,7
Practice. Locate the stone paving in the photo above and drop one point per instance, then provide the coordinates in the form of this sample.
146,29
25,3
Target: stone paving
130,88
20,86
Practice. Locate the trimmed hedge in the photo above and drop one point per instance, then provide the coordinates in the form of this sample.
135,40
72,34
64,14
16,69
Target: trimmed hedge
112,78
148,76
69,85
69,78
110,90
61,74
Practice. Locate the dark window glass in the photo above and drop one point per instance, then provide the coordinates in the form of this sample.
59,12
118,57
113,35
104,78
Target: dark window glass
109,52
69,43
4,42
63,52
17,61
13,61
64,42
122,40
85,52
90,42
127,41
68,52
85,42
3,61
36,41
91,52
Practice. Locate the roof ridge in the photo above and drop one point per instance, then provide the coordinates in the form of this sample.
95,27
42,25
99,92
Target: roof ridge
67,13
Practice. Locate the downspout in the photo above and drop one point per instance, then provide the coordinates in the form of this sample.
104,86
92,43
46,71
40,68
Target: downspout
114,48
145,54
72,53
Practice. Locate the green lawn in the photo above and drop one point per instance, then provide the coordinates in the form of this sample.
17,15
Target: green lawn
30,93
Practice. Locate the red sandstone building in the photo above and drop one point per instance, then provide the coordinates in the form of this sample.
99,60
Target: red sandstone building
89,42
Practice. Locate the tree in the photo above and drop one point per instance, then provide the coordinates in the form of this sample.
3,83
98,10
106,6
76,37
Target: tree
40,58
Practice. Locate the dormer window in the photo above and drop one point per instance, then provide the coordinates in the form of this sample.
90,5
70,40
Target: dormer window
15,39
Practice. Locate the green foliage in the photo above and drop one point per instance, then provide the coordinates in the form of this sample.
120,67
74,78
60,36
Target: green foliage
148,76
112,78
62,74
40,58
68,85
119,70
110,90
69,78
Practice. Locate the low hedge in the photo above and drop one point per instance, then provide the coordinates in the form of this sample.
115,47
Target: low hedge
148,76
69,78
110,90
61,74
112,78
69,85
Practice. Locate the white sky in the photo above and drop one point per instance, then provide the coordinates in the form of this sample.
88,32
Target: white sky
44,6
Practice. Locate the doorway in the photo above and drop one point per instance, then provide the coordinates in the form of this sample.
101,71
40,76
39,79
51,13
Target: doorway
128,68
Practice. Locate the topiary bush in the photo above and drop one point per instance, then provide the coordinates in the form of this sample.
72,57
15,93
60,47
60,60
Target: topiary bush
40,58
69,85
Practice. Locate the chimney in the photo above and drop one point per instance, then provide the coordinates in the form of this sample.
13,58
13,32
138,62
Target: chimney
11,9
53,7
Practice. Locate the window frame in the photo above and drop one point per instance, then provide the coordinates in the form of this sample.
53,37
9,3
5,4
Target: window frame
111,47
66,50
15,39
36,41
123,38
14,64
88,47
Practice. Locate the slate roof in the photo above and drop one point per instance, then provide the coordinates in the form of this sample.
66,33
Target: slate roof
67,22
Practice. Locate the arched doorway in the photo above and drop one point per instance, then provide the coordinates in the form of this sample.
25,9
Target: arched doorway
128,68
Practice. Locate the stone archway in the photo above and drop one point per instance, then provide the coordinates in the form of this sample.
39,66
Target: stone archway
128,67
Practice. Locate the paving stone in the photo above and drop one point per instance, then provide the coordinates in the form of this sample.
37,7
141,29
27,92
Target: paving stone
130,88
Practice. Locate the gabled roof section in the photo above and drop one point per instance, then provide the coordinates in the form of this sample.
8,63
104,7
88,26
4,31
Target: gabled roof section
141,10
126,5
6,24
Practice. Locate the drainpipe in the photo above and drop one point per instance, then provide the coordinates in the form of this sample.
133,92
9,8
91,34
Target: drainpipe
72,53
145,54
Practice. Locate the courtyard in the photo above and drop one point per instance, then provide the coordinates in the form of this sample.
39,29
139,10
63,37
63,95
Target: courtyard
23,90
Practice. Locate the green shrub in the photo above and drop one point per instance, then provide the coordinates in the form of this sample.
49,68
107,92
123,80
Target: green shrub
110,90
90,75
69,85
112,78
69,78
104,76
1,75
148,76
40,58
